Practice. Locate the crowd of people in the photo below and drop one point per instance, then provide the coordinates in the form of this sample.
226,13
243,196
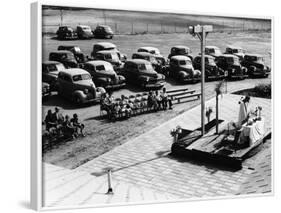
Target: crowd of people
155,100
58,124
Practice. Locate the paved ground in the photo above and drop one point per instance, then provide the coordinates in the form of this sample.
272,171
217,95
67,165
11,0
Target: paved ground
144,170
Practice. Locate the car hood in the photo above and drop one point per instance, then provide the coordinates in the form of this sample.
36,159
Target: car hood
85,83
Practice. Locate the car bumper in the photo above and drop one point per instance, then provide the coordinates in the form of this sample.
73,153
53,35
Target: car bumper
154,85
115,86
260,74
237,76
191,80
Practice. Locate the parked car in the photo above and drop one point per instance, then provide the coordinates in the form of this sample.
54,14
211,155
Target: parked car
212,71
213,51
78,54
180,50
50,71
154,51
149,57
238,51
103,31
231,64
255,65
65,33
77,85
181,69
110,56
141,72
65,57
104,75
84,32
107,46
46,91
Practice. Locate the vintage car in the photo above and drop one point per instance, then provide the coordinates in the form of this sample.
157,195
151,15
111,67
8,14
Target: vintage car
231,64
76,85
107,46
110,56
140,72
149,57
255,65
84,32
180,50
65,33
50,71
78,54
46,90
181,69
213,51
212,71
67,58
103,31
154,51
238,51
104,75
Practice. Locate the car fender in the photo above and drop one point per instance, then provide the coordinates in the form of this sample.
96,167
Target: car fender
252,68
121,78
78,94
183,74
143,78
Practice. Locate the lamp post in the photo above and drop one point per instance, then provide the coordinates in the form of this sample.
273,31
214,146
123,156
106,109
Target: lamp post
201,32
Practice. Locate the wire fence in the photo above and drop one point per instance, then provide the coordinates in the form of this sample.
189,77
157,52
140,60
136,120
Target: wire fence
134,28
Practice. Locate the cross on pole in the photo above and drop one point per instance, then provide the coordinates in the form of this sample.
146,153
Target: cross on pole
201,32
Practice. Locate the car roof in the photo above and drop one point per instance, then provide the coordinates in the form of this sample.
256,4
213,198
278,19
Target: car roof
103,25
83,26
98,62
181,57
253,54
181,47
229,56
61,52
212,47
143,54
106,44
74,71
51,62
233,47
138,61
149,48
106,51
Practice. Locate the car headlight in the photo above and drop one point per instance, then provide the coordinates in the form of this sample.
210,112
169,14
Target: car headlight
86,91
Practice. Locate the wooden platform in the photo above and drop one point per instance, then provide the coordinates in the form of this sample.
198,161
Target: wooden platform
213,148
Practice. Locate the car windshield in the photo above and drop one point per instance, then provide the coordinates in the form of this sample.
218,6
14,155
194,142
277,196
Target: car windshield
113,56
77,49
145,67
104,67
184,62
237,51
233,60
210,61
81,77
182,51
216,51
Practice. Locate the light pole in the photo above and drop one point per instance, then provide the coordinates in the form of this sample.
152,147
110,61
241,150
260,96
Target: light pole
202,32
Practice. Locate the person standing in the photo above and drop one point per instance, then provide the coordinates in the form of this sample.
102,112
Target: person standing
166,100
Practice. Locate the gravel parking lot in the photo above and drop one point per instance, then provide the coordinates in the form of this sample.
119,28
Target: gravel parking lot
103,135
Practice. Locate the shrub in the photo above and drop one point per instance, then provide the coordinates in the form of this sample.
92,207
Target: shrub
263,90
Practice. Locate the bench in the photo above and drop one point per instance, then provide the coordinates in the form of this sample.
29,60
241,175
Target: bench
178,99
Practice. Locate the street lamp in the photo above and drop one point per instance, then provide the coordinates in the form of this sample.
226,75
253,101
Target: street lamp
202,32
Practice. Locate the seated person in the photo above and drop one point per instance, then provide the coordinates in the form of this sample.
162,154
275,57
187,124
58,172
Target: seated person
68,129
75,122
166,99
151,101
158,99
49,121
58,117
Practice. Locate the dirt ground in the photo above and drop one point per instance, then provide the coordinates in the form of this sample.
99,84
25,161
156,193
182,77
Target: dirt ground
103,135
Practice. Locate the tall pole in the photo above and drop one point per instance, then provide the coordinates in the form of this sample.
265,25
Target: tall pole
203,36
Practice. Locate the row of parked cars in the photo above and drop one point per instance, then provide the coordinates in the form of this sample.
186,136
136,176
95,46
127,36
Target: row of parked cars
108,68
84,32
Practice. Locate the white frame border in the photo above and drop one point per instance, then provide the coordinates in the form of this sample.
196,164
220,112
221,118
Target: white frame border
36,195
